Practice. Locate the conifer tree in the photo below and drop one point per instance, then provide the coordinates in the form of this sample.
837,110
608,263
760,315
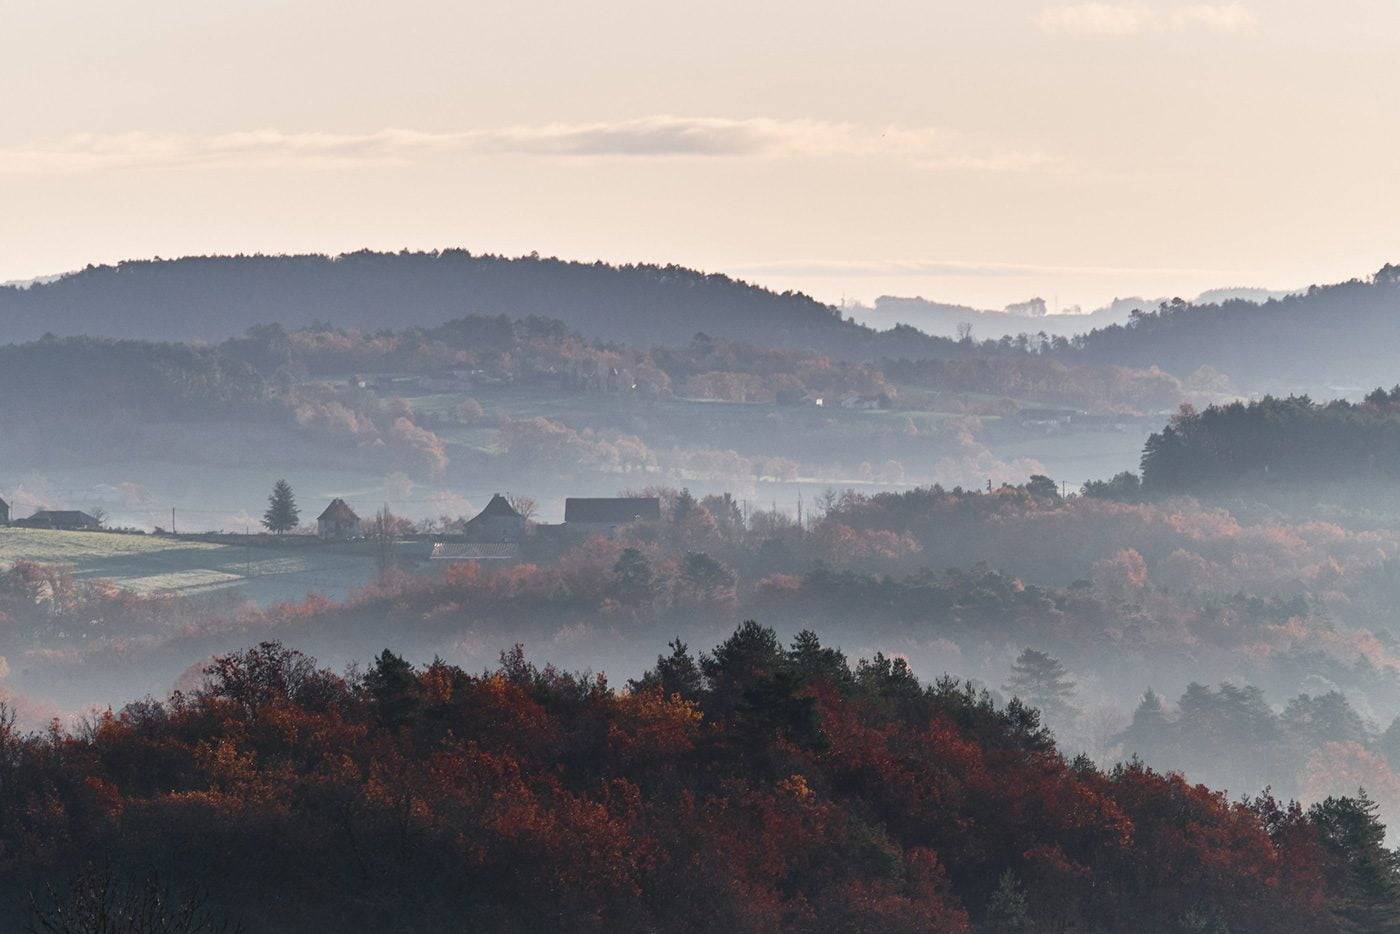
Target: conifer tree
1149,733
1366,875
1038,678
1007,911
282,514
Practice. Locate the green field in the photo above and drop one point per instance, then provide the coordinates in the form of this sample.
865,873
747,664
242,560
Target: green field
147,564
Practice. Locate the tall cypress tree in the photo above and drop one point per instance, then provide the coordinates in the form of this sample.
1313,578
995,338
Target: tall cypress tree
282,513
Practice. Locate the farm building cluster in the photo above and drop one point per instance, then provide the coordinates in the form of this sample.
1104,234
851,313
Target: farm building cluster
65,520
499,531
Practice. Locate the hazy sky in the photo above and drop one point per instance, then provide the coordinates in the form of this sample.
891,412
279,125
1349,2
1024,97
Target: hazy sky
978,152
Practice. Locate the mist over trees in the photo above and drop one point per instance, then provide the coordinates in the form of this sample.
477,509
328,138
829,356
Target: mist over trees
1343,336
1210,616
1337,335
757,787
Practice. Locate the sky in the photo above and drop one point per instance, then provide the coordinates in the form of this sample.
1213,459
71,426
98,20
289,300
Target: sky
970,152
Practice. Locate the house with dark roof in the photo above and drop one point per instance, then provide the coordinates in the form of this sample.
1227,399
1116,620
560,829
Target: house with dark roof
603,515
67,520
4,512
498,522
338,523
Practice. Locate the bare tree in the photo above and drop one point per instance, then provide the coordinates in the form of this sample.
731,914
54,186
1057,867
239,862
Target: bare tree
384,530
525,505
97,903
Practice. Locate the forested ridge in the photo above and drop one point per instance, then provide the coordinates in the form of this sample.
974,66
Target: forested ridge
758,787
1332,335
332,391
1343,335
1275,440
216,297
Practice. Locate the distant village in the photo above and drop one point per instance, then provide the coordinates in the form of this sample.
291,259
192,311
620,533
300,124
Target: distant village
498,533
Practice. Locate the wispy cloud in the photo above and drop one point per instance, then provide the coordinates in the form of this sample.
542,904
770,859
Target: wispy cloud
658,137
1110,20
895,268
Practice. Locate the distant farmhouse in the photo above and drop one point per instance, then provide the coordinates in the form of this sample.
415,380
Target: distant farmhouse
493,534
604,516
67,520
498,522
499,532
338,523
4,512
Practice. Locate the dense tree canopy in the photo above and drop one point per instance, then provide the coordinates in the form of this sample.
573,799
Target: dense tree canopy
759,787
1275,439
1326,336
216,297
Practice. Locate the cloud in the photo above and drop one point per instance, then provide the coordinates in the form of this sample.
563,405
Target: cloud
894,268
657,137
1111,20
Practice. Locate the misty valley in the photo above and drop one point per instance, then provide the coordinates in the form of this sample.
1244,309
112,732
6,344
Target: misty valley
535,595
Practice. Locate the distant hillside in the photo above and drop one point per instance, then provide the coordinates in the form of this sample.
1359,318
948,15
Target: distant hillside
1276,440
1257,296
215,297
942,320
1334,339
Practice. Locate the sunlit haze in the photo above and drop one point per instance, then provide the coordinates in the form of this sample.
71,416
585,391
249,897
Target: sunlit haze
732,468
977,153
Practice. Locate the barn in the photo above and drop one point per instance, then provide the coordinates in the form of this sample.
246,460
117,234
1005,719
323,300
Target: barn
338,523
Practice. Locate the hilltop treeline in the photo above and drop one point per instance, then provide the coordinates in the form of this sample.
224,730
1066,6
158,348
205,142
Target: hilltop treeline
1317,745
1275,439
211,298
1327,336
759,787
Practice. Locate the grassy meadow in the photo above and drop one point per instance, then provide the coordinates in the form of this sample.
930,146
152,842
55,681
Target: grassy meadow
150,564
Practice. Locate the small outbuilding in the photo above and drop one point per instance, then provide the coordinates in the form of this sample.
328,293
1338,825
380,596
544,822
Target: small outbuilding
4,512
338,523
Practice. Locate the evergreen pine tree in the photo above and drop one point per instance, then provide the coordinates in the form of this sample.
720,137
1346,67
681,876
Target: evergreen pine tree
1039,679
811,661
685,505
393,684
674,674
1007,910
1366,874
282,514
1149,734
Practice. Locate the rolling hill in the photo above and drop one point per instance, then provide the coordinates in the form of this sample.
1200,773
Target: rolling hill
1332,339
209,298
